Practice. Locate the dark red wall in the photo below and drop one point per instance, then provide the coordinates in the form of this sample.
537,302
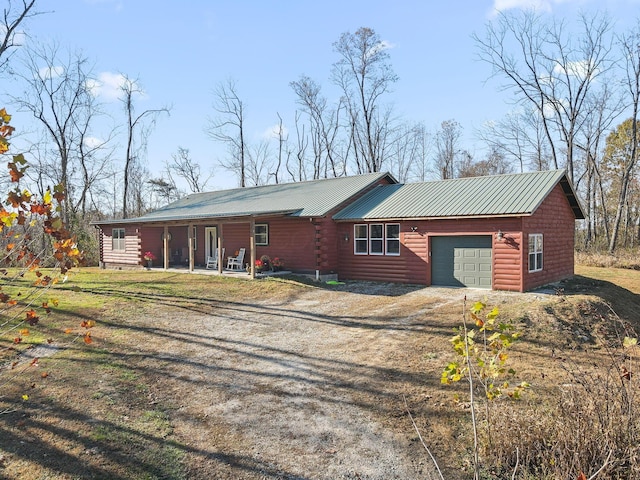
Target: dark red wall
555,220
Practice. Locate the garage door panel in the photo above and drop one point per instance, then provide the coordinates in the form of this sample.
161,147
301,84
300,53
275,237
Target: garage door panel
464,261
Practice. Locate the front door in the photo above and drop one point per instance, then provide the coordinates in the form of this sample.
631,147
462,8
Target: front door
210,241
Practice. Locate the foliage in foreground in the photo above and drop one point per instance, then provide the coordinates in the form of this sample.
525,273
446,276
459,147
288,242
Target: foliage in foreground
37,252
585,425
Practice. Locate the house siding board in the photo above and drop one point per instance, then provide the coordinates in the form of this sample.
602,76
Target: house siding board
130,257
291,239
555,220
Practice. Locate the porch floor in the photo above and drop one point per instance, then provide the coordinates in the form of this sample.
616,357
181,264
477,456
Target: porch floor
243,274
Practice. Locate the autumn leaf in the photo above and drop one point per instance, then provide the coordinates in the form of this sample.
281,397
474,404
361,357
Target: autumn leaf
32,317
24,332
88,324
87,338
44,374
17,340
4,116
25,397
629,342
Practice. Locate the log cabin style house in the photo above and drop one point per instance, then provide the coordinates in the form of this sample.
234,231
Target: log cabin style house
504,232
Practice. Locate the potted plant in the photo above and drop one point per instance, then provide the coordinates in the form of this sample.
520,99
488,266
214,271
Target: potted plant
266,262
149,257
259,266
277,264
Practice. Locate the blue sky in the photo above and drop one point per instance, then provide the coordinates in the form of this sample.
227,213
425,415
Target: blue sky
179,51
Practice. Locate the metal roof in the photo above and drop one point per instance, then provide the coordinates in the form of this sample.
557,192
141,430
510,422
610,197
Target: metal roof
497,195
303,199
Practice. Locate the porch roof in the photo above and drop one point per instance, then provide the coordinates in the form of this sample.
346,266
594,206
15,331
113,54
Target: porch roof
314,198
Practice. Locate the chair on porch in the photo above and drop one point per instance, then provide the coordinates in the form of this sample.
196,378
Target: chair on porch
212,261
233,262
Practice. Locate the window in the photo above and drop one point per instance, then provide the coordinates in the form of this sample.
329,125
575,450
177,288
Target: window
376,240
535,252
392,236
360,239
117,239
262,234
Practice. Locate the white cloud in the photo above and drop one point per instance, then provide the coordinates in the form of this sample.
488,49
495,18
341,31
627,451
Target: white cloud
383,45
578,69
108,85
51,72
538,5
273,131
93,142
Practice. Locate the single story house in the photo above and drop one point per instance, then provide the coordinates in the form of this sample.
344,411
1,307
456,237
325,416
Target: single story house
506,232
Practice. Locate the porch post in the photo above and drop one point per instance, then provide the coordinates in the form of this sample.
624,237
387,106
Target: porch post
165,245
190,242
220,255
252,246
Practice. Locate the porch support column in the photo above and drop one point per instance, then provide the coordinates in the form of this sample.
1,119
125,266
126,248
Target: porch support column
190,243
165,246
220,255
252,246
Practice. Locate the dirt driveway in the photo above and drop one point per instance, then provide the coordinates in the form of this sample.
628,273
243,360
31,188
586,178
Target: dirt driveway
307,387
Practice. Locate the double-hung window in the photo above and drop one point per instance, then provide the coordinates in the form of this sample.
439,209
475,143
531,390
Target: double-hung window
535,252
117,239
376,239
360,239
392,238
262,234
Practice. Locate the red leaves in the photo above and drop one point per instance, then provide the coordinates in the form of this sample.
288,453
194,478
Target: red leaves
32,317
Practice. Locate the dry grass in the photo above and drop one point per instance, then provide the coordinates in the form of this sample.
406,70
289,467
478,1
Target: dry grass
134,405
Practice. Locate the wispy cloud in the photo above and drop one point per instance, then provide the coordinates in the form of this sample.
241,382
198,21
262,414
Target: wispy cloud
107,85
51,72
538,5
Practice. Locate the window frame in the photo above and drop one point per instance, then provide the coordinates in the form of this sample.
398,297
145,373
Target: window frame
118,242
264,234
379,239
388,239
535,254
363,239
359,239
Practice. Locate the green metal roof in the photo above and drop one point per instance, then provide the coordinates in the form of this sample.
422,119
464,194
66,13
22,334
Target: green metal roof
497,195
303,199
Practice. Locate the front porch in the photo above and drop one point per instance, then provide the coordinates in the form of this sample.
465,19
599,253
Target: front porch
201,270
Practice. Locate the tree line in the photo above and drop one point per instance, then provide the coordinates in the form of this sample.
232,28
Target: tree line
575,92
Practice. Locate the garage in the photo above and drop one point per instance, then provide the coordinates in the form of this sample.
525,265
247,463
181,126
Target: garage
461,261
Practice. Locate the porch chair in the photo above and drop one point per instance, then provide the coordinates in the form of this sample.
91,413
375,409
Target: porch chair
233,262
212,261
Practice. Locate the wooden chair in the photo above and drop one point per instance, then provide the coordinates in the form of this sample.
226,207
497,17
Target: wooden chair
212,262
233,262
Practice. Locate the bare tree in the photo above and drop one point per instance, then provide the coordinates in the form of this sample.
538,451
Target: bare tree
259,164
631,53
228,127
282,137
137,135
324,126
551,70
14,14
495,163
448,148
186,168
364,75
57,95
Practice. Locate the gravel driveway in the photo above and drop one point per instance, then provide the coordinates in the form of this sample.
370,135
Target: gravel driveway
307,388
